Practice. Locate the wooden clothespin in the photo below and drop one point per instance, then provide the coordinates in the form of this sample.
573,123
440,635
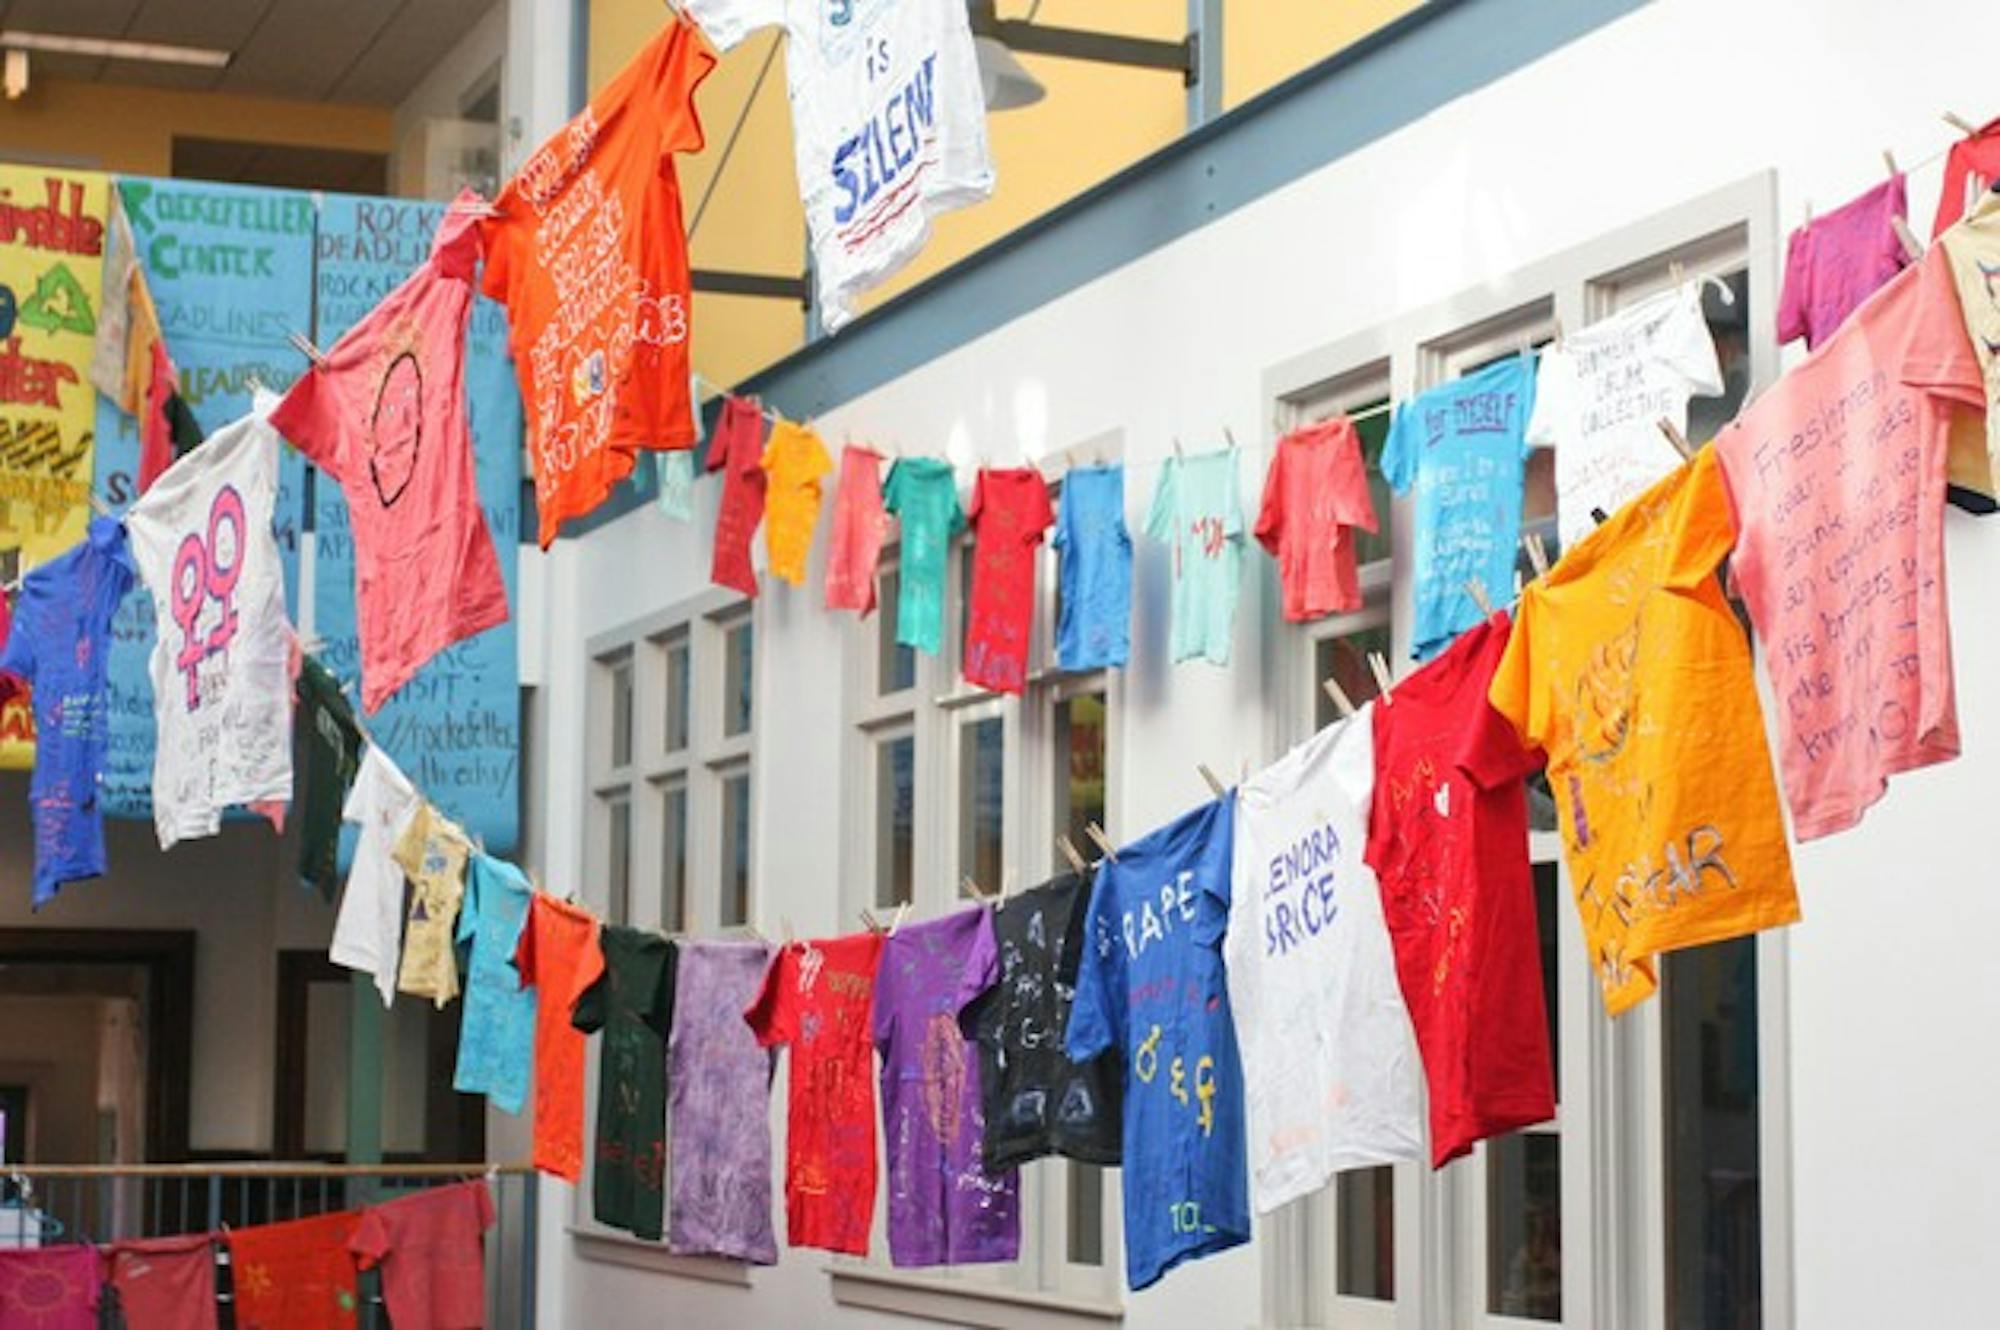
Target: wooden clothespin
979,893
1339,695
1961,124
1177,447
1215,786
902,913
1556,319
785,923
1103,842
1676,438
305,347
1379,667
1913,248
1676,273
1889,160
756,932
1068,848
1230,435
1478,594
99,506
1538,553
867,917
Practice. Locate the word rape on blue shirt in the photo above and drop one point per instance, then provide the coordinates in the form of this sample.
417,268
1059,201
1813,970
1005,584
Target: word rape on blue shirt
1151,985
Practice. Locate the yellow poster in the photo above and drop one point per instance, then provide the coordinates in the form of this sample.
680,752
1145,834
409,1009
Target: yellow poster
51,263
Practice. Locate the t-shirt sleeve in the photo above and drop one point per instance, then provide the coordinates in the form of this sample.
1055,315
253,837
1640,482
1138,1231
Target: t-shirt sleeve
1935,342
818,460
1690,349
1797,290
1488,748
1160,515
1091,1017
370,1241
1399,461
1271,512
593,1004
308,415
954,515
883,1001
1041,514
768,1015
982,964
1704,521
1516,701
524,948
680,61
727,22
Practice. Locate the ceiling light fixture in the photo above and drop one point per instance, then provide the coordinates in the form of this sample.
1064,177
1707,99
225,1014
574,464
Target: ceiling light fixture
105,48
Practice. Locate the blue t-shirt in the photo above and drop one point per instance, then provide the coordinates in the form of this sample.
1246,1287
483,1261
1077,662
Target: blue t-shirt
496,1037
60,642
1151,985
1094,622
923,494
1461,445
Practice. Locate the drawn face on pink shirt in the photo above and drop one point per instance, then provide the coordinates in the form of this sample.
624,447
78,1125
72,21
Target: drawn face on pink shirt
397,429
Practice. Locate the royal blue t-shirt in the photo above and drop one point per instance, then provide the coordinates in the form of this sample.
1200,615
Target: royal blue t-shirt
60,642
1094,623
1151,985
1461,445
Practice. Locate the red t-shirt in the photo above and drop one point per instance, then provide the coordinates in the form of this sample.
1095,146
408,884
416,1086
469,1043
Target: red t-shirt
1969,171
298,1275
819,997
590,258
1009,514
558,955
49,1288
432,1249
737,450
1314,494
1459,898
165,1283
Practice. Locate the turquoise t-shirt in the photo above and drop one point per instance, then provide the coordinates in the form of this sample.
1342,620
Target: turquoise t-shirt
923,494
1198,513
496,1035
1461,446
676,475
1093,621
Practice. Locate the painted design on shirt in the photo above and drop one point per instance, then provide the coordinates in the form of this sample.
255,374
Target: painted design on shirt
206,568
396,430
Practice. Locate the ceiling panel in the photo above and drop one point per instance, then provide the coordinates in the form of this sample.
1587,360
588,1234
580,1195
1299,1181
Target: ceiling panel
225,24
408,48
302,48
71,18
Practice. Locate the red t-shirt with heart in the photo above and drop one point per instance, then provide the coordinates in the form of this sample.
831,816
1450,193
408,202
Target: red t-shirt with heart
1009,513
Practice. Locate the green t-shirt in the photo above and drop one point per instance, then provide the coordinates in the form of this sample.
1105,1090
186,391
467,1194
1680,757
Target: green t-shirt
923,493
1198,513
327,743
632,1002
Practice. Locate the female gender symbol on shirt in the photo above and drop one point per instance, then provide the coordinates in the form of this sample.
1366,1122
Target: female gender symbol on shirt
204,570
396,429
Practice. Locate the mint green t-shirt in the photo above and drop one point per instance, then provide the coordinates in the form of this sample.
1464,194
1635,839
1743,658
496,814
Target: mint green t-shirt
1198,513
923,494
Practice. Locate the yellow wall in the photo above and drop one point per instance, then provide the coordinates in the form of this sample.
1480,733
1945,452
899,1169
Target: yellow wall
1265,43
119,127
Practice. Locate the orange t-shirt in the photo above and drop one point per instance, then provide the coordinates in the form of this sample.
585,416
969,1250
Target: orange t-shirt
298,1275
558,955
1628,669
590,258
795,463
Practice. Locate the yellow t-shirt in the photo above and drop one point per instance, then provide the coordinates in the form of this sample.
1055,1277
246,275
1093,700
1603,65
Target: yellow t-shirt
1627,667
432,853
795,461
1973,245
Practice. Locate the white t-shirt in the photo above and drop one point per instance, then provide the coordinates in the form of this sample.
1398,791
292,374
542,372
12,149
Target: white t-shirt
1330,1070
222,683
368,935
888,125
1600,396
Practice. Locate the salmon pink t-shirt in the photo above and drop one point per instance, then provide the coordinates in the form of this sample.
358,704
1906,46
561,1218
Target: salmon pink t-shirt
1315,494
558,955
860,524
590,258
164,1283
737,450
298,1275
431,1246
384,415
1009,513
1837,475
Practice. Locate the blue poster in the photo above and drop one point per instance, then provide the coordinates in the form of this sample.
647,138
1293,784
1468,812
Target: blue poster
454,729
230,269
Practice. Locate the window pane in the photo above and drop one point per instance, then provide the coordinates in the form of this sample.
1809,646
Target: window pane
621,711
1079,765
1344,659
677,696
618,865
735,850
1524,1226
895,820
1374,434
896,664
736,675
1714,1246
673,867
1086,1214
1365,1230
981,802
1547,904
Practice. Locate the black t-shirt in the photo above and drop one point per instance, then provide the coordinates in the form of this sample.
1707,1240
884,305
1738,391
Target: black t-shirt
632,1001
327,743
1038,1102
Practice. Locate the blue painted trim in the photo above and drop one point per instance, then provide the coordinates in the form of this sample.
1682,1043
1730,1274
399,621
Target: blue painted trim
1431,56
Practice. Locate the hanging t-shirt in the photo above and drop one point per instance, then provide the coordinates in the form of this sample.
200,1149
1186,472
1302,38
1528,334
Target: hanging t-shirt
60,642
1974,250
431,1246
888,127
795,464
719,1078
1094,610
49,1288
859,526
632,1002
1970,171
496,1034
432,853
1330,1072
1601,394
368,932
164,1283
674,473
1835,262
558,954
1460,447
1151,986
817,996
384,416
1009,514
1037,1101
13,690
328,747
737,450
1315,494
298,1275
1197,513
1459,898
1627,667
1837,473
923,494
590,258
944,1207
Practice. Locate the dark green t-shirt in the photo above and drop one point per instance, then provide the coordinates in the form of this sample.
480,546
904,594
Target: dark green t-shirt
632,1002
327,743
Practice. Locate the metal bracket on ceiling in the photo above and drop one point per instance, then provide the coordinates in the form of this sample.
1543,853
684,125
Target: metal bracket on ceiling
1025,37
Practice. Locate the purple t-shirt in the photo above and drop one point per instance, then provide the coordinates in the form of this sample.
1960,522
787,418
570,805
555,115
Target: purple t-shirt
1836,262
719,1088
944,1207
60,642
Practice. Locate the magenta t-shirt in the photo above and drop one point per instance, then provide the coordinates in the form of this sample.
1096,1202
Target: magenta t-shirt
944,1207
49,1288
1837,261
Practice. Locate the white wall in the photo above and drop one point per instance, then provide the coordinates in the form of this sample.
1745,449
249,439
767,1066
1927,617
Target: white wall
441,94
1896,1202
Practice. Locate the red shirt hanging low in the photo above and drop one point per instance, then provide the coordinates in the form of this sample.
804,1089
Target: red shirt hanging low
1009,514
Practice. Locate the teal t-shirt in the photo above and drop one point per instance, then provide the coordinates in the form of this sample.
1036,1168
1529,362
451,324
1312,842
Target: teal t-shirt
923,494
1198,514
496,1036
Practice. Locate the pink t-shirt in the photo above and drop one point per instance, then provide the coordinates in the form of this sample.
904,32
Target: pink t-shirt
859,525
49,1288
165,1283
1837,261
432,1250
384,415
1315,493
1837,477
737,450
